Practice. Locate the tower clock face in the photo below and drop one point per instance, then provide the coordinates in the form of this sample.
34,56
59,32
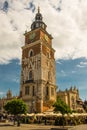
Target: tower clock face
46,37
32,36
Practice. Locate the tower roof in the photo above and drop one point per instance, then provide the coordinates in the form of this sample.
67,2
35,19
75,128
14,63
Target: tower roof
38,21
38,16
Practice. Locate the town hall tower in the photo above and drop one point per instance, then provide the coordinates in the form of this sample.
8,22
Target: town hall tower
38,73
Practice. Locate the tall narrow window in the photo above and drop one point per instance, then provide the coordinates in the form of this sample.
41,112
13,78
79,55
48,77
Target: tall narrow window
52,91
33,91
49,74
30,75
27,90
47,91
31,53
72,99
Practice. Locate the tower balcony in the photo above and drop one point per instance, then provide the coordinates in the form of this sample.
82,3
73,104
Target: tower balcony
29,81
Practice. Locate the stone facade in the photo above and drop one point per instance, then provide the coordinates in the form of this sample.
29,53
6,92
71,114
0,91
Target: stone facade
38,76
71,98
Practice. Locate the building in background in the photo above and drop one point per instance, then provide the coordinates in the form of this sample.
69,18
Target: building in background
38,73
4,100
71,98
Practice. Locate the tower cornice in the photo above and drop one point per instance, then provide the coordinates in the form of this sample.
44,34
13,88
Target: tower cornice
30,45
38,29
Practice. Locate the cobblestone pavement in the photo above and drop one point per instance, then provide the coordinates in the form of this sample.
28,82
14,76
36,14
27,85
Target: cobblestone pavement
4,126
79,127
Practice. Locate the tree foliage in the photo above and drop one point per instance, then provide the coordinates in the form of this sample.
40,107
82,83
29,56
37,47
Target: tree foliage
61,106
15,107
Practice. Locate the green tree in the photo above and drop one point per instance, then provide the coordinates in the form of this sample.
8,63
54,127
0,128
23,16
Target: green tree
61,106
15,107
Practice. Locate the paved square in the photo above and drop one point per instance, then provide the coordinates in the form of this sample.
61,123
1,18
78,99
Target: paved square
9,126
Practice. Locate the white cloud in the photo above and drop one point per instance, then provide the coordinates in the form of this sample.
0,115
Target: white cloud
63,73
58,62
73,72
2,93
68,27
82,64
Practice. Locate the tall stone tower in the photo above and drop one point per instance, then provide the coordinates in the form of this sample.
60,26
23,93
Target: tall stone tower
38,76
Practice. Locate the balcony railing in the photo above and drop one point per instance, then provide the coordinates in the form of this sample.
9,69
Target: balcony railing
29,81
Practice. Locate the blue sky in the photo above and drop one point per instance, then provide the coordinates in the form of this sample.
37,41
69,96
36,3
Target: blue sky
10,77
69,31
72,73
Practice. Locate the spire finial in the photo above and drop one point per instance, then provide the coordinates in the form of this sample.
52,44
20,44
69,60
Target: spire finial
38,9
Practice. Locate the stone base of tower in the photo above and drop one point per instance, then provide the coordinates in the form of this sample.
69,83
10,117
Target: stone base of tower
41,98
41,107
45,108
37,106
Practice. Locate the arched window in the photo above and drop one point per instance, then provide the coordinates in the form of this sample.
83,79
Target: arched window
31,53
37,24
30,75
